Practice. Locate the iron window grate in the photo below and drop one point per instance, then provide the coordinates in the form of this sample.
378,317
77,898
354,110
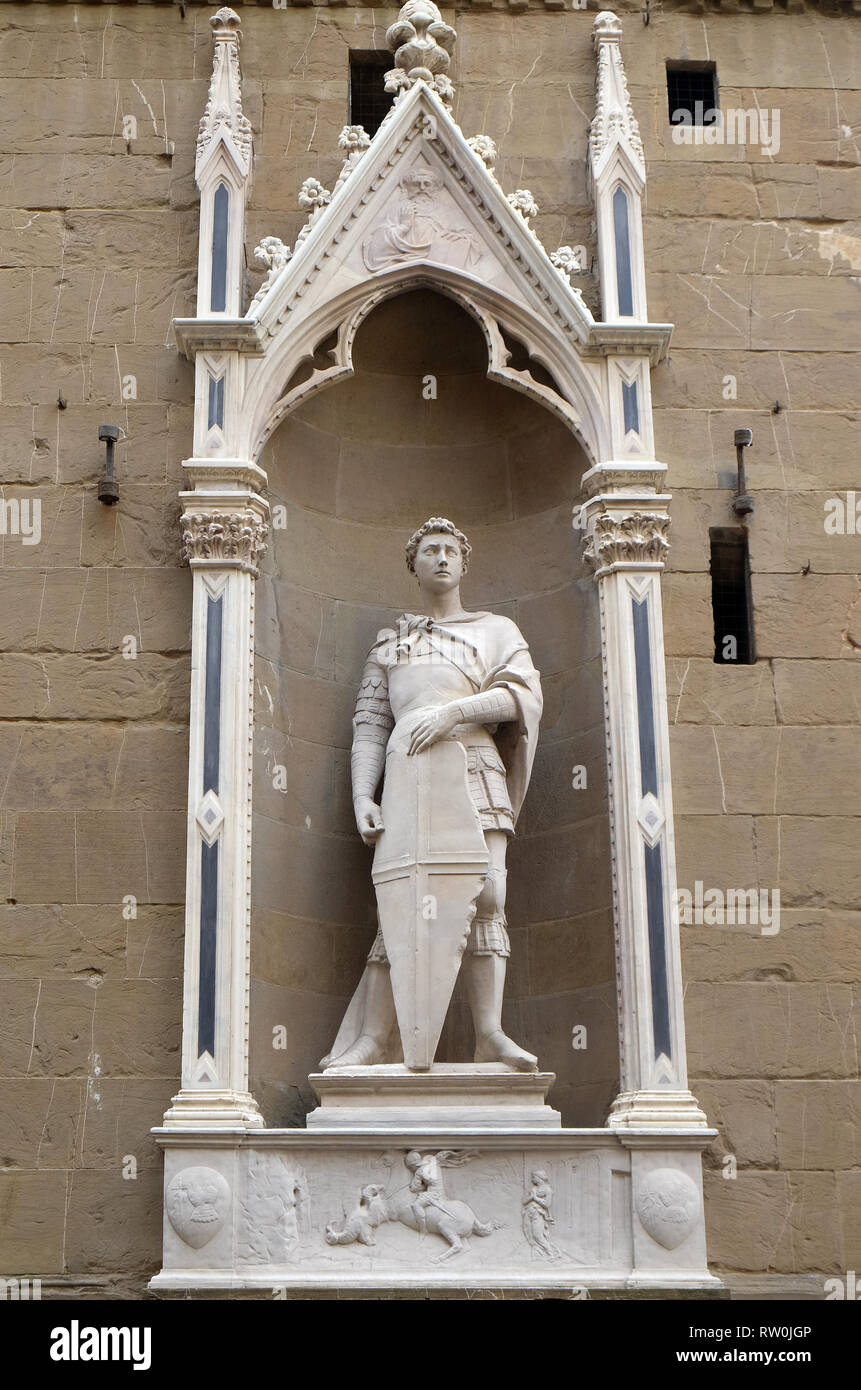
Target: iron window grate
369,100
692,89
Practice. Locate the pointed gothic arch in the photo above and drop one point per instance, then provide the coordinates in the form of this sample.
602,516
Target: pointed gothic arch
272,394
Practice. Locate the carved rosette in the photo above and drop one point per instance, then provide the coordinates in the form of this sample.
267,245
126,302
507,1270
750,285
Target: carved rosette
627,538
224,540
485,148
523,203
273,254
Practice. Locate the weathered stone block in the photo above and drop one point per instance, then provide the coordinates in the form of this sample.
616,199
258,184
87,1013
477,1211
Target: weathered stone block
818,1124
55,940
743,1113
321,957
699,691
16,1037
112,857
136,1028
814,310
698,786
40,1124
118,1124
688,619
120,179
820,869
541,892
302,784
849,1217
112,1223
804,615
572,954
32,1235
63,1041
154,942
812,944
818,770
772,1222
44,867
709,311
727,192
557,795
57,686
30,238
793,1030
817,692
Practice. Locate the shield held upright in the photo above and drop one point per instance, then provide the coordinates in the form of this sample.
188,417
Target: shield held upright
430,865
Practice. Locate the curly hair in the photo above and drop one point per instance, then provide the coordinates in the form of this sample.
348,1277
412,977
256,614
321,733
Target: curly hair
437,525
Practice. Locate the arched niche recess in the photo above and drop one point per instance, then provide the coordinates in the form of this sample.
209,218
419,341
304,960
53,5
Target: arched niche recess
419,430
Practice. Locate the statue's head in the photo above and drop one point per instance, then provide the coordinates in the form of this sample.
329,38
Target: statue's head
421,183
438,555
412,1160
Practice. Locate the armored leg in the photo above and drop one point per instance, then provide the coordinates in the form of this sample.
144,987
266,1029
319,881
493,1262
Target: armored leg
484,966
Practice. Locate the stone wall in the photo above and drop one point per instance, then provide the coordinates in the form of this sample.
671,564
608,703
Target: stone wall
751,256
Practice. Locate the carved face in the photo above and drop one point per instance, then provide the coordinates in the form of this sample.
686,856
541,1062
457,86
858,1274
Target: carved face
438,564
421,183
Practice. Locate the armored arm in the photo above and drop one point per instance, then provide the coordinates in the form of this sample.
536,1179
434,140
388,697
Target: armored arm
372,724
495,706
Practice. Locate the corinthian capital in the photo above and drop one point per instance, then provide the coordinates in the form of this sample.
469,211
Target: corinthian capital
626,538
224,540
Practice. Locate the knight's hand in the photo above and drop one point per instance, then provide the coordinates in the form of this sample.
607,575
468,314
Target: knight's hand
432,727
369,819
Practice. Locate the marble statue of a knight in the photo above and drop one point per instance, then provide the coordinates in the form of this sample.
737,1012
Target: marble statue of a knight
447,718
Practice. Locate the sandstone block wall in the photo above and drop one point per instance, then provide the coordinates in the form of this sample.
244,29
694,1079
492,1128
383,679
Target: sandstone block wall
755,258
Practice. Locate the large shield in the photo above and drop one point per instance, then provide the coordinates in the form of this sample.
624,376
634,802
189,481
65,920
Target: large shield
430,865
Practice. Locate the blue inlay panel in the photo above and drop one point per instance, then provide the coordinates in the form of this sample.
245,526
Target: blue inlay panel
208,930
209,853
216,403
621,233
653,855
218,287
212,711
657,950
645,698
630,407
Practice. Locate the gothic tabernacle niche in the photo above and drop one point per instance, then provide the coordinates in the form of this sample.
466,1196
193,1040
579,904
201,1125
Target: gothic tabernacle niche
365,389
419,431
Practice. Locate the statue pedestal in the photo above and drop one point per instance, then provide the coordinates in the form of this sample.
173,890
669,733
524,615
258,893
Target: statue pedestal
483,1095
531,1208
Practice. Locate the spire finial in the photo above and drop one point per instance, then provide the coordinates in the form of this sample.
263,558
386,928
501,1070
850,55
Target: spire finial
421,43
224,114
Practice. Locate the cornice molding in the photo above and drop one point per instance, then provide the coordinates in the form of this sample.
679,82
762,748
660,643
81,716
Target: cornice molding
733,8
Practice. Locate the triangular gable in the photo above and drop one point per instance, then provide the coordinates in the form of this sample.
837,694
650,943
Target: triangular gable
420,196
